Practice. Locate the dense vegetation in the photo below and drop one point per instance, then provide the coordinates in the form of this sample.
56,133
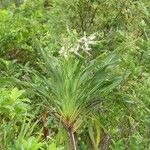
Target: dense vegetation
74,75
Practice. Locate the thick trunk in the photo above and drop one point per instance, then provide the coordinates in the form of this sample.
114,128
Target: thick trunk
72,142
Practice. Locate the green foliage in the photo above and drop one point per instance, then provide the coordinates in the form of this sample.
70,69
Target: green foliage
11,103
13,110
86,62
76,84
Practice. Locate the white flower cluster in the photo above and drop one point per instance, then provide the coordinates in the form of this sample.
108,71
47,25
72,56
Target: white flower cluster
83,43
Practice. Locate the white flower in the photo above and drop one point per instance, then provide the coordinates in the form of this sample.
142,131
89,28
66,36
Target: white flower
83,44
63,52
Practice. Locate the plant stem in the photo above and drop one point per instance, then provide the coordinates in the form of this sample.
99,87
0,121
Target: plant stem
72,142
45,130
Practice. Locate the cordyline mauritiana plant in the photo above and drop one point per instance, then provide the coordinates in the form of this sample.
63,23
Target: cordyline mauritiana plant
73,84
